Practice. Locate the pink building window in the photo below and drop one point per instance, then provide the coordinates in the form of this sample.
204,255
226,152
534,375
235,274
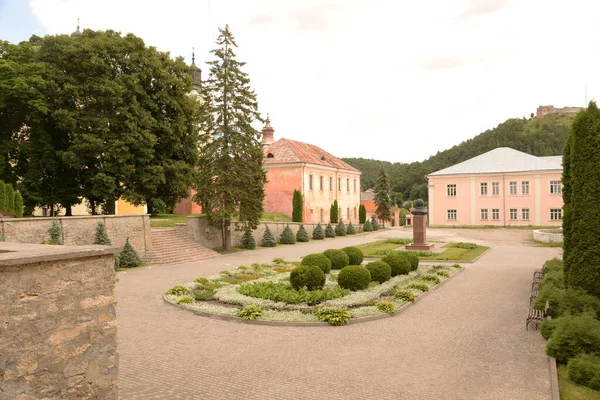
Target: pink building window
348,213
322,216
310,182
484,214
484,188
321,183
525,188
555,214
512,186
354,212
495,214
525,214
331,183
348,185
556,188
451,190
355,186
451,215
339,184
513,214
495,188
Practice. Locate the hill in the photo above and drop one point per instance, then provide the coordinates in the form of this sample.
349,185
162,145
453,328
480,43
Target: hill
539,137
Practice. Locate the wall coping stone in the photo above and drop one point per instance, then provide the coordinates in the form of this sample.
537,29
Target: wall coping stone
73,217
26,253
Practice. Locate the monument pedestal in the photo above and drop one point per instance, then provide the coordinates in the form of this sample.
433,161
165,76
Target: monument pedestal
419,222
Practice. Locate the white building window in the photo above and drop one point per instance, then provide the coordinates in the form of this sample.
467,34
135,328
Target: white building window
495,214
321,183
555,214
513,214
555,188
322,215
310,182
512,186
451,190
483,188
355,186
348,185
525,188
339,184
525,214
484,214
331,183
451,215
348,213
495,188
354,212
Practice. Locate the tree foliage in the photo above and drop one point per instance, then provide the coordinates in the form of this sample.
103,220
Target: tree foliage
382,196
129,257
333,212
362,214
231,181
248,241
297,206
302,234
100,236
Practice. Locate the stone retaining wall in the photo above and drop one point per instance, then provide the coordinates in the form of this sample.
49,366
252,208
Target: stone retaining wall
197,229
79,231
58,330
548,236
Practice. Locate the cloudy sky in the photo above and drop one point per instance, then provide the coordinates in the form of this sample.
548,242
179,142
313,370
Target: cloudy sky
392,80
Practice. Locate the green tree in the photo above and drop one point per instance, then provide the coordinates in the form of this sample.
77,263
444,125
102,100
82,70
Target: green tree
55,233
101,237
583,243
362,214
333,212
297,206
231,179
302,234
268,239
382,196
287,236
248,241
566,195
10,198
18,205
318,233
129,257
2,196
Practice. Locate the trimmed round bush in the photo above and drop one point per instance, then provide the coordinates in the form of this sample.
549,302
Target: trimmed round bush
318,233
354,277
585,370
318,259
329,232
574,335
380,271
355,255
338,258
399,263
413,260
310,276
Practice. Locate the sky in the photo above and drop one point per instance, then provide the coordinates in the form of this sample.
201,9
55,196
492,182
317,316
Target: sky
390,80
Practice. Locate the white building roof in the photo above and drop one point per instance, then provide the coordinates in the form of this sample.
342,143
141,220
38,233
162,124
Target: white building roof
501,160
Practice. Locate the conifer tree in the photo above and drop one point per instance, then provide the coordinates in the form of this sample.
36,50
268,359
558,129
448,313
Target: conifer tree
318,233
350,229
362,214
55,233
583,243
231,178
566,195
101,237
374,223
10,198
129,257
367,226
302,234
287,236
382,196
329,232
268,239
333,212
297,206
340,229
248,241
18,205
2,196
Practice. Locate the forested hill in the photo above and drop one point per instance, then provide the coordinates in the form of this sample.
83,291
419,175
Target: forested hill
540,137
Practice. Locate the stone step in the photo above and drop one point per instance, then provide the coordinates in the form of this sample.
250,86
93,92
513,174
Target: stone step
172,247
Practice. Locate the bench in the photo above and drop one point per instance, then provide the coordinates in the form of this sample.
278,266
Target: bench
535,317
533,296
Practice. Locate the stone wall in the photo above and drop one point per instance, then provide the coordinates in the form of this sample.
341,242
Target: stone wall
198,230
58,330
548,235
79,231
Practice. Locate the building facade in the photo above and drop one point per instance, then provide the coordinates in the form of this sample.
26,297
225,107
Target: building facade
503,187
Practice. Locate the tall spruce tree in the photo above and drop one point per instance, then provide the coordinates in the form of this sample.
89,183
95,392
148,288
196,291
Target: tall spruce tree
297,206
362,214
583,230
333,212
382,196
566,194
3,201
231,178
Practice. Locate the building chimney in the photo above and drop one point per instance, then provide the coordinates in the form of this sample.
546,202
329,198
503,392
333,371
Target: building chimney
267,133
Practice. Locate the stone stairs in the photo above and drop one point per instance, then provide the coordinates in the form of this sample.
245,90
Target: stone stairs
172,247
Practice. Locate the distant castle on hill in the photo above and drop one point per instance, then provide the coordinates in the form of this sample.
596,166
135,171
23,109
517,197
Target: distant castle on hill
542,111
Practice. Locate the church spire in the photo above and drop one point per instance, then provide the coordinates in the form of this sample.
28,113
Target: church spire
196,73
267,133
77,32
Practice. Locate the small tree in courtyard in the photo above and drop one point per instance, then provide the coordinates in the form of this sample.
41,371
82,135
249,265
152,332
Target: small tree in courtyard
367,227
333,212
129,257
340,229
55,233
3,196
10,198
302,234
362,214
374,223
287,236
101,237
350,229
318,233
329,232
268,239
297,206
382,196
18,205
248,241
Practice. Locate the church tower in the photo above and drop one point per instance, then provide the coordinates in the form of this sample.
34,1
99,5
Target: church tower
196,75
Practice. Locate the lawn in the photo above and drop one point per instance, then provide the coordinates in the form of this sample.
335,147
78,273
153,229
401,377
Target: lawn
169,220
456,254
569,390
381,248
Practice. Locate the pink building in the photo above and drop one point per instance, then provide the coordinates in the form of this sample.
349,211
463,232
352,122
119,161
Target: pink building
502,187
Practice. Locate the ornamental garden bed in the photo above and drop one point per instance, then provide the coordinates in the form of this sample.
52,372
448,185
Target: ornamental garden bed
458,252
313,292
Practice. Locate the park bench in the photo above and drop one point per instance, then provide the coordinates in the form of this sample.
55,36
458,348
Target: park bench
535,317
533,296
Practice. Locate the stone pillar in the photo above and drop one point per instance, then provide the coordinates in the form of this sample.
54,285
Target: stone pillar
419,223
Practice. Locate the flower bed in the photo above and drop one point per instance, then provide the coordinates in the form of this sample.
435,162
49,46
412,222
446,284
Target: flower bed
232,294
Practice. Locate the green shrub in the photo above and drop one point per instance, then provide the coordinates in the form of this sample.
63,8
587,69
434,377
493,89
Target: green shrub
185,300
380,271
339,259
100,237
374,224
574,335
464,245
310,276
329,232
302,234
248,241
399,241
251,312
430,278
18,205
555,278
355,255
577,301
128,257
412,259
354,277
350,229
204,294
340,229
10,198
297,206
55,233
399,263
318,233
201,280
287,236
423,287
178,290
405,295
585,370
268,239
456,266
281,292
553,265
318,259
335,316
367,227
3,196
117,261
385,306
548,326
362,214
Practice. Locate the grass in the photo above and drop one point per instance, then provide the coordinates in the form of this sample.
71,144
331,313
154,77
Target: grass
127,269
380,248
463,226
220,250
169,220
275,217
570,390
